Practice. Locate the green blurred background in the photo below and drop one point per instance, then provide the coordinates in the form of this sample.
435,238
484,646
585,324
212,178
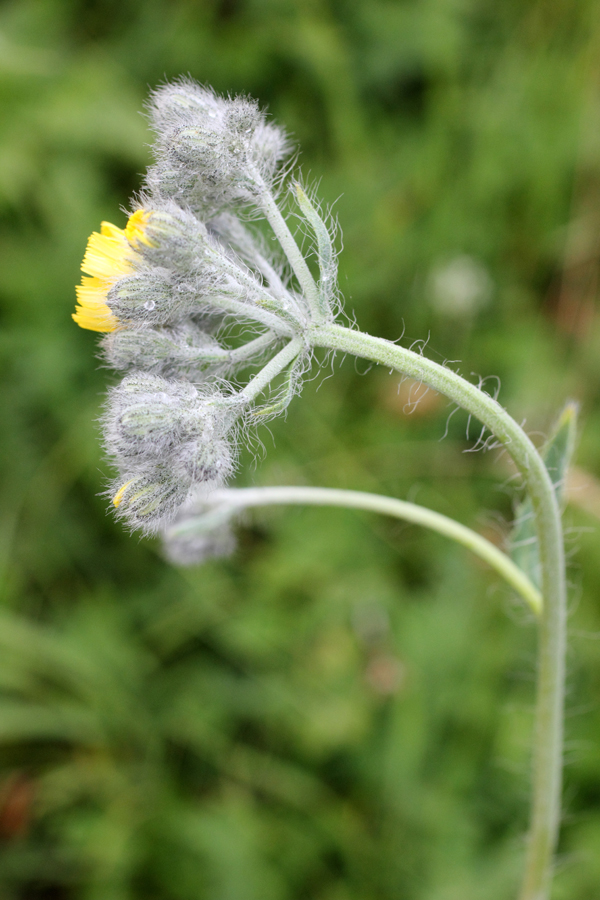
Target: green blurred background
341,711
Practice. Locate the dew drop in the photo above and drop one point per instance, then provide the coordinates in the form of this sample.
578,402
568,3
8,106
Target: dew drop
149,305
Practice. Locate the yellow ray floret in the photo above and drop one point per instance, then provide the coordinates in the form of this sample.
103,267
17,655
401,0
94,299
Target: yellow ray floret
135,230
107,258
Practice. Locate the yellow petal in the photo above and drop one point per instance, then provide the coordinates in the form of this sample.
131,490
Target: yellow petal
107,256
135,230
110,230
92,311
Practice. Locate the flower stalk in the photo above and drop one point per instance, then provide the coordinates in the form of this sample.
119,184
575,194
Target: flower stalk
227,503
548,735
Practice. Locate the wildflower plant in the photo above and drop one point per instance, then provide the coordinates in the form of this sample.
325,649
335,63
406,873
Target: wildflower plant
212,336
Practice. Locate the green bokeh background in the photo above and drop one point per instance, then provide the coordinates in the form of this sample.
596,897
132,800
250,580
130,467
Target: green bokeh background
341,711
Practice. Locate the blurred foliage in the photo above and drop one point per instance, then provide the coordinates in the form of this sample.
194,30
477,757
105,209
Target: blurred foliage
342,711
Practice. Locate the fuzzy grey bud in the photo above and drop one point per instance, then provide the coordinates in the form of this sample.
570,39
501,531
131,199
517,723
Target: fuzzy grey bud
173,105
192,548
149,500
150,418
185,351
206,460
152,296
147,416
269,146
212,152
171,237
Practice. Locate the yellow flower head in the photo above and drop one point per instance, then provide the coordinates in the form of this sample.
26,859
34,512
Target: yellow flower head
108,257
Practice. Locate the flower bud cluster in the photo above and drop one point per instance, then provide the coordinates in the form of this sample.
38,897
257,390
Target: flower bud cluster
168,425
177,289
165,436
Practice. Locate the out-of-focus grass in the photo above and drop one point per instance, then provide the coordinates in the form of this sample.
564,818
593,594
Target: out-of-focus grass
342,710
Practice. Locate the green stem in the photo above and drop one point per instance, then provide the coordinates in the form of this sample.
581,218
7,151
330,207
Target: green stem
548,737
243,498
274,282
251,349
283,306
292,251
251,311
273,368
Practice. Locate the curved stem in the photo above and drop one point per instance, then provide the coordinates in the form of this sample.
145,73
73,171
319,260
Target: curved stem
243,498
284,306
548,738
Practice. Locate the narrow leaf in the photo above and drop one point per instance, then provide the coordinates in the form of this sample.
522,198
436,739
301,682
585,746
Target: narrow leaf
326,256
557,454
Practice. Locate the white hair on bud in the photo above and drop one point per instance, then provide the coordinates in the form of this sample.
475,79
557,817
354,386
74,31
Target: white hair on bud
207,460
146,416
269,146
150,296
177,103
185,351
172,237
149,418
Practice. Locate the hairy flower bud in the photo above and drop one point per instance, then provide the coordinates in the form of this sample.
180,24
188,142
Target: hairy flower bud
185,351
151,296
270,145
149,419
191,548
212,151
206,460
147,416
173,105
149,500
171,238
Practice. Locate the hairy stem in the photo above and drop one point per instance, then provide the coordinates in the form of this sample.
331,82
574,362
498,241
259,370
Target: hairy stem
249,311
274,282
548,737
272,369
283,306
249,350
292,251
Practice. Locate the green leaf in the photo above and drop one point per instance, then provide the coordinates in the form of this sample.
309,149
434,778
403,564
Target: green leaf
557,454
326,255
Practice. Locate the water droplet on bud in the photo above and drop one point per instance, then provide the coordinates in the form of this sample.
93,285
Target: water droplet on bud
149,305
